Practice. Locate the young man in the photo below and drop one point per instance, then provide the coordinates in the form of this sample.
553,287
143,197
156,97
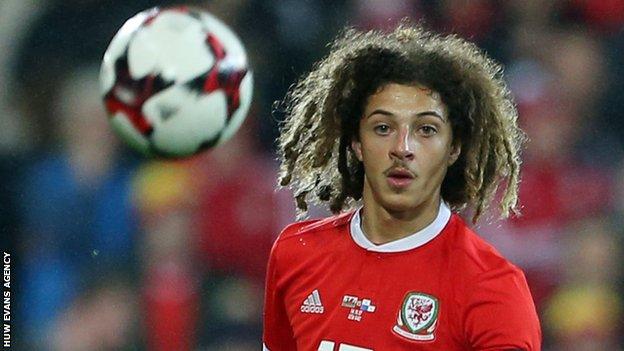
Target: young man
397,132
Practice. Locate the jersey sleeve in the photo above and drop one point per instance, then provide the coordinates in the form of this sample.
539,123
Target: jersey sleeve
277,332
500,314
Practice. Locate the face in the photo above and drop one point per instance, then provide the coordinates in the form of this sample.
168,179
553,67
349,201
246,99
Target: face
406,146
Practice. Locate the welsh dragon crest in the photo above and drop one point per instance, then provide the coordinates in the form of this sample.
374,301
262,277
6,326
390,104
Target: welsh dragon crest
418,316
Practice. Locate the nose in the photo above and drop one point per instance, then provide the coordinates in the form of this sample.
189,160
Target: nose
402,147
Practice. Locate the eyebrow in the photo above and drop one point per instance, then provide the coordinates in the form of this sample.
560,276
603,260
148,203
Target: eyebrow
419,114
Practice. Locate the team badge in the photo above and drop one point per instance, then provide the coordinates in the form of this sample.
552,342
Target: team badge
418,317
357,307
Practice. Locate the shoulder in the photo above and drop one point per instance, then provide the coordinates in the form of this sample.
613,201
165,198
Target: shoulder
474,253
481,264
315,226
304,242
492,286
308,238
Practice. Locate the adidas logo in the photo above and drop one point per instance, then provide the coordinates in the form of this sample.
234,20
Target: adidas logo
313,303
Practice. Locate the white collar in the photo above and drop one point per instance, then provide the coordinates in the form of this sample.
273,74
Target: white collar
411,241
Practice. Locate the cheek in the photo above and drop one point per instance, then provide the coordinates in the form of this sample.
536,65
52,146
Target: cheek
434,156
374,152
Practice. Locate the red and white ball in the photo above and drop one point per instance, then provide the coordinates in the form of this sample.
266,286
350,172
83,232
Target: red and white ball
175,82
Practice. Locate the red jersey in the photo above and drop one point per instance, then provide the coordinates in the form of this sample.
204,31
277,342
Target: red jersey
442,288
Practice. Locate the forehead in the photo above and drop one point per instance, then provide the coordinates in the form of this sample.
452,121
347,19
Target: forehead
399,98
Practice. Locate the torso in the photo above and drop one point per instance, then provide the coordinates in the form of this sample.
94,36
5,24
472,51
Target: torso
341,295
344,275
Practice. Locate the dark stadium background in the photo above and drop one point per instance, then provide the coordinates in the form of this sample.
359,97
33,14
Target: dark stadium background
115,252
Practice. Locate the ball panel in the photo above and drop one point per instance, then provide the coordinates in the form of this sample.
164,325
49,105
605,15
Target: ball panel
180,119
238,116
168,46
231,42
133,114
128,95
224,75
117,48
123,127
142,56
107,77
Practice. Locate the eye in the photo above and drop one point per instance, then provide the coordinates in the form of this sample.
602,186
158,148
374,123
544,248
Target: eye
382,129
427,130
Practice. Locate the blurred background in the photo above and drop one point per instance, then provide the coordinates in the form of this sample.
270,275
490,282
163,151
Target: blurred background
115,252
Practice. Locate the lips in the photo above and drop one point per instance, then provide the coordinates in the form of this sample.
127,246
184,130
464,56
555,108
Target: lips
400,177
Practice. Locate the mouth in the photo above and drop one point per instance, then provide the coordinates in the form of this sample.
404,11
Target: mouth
400,178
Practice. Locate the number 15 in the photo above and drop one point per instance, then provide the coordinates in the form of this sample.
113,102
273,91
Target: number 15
329,346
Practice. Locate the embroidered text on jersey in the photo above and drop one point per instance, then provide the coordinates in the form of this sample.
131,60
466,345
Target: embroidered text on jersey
357,306
313,304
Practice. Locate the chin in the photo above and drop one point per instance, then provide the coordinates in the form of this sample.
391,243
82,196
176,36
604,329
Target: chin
399,203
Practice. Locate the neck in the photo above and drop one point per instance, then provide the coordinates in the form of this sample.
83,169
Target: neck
383,225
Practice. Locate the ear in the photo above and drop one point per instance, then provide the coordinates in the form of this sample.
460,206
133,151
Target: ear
356,146
455,152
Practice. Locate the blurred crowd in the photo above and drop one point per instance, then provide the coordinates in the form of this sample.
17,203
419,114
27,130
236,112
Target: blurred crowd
116,252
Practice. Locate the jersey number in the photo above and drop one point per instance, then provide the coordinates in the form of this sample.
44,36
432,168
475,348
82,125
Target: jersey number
329,346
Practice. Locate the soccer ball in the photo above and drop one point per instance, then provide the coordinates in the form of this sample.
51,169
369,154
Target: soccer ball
175,81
